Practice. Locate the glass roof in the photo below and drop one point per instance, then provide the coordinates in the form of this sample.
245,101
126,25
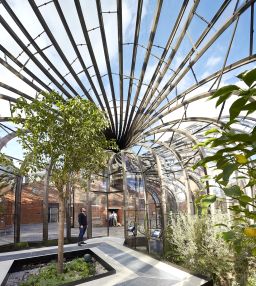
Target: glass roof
150,65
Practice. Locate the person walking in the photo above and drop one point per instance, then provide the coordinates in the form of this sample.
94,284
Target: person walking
82,221
110,219
114,219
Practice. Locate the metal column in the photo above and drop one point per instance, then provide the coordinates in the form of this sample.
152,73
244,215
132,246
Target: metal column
17,212
125,194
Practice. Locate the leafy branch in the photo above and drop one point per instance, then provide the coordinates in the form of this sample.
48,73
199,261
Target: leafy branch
234,157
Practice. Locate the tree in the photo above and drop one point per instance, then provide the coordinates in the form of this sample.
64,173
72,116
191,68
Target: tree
7,175
69,135
235,157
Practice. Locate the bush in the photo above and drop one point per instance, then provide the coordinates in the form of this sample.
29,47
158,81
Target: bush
21,245
196,244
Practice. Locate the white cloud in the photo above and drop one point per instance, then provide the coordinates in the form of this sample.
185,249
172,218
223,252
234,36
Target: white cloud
213,61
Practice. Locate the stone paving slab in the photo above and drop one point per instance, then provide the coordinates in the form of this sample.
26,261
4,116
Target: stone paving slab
134,264
4,268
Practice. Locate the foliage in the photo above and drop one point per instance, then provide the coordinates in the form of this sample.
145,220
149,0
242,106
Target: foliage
74,270
196,244
235,157
7,178
21,245
5,181
7,162
68,133
236,151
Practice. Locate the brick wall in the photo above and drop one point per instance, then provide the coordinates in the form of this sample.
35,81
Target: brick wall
32,212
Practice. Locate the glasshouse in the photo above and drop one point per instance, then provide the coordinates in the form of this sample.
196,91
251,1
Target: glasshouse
127,142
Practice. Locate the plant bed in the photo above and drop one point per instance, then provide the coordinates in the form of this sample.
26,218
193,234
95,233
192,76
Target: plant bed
82,271
33,244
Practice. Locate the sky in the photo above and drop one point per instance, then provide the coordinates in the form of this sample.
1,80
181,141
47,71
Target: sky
211,61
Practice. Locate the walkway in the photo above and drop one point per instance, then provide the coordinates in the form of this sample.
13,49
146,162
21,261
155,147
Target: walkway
132,268
34,232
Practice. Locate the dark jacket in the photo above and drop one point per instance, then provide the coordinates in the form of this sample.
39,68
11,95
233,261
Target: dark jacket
82,219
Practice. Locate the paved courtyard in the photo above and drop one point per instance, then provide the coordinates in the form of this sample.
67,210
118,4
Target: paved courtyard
132,268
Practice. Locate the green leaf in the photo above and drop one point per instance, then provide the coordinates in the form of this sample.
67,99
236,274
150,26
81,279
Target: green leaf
222,140
212,130
228,171
198,145
233,191
222,98
203,161
254,251
225,90
221,162
252,173
208,200
245,199
237,106
250,214
236,209
250,106
243,204
248,77
228,235
221,224
241,137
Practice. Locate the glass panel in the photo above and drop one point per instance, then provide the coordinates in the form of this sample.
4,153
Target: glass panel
99,214
115,214
6,217
98,183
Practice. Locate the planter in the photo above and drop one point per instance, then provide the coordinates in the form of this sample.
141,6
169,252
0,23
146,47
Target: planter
20,264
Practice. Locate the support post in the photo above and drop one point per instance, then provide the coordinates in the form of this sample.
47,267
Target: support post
45,202
73,204
89,210
146,209
107,191
124,195
68,211
17,212
190,203
163,200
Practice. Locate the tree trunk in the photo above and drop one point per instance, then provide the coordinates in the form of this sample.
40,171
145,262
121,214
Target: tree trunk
61,232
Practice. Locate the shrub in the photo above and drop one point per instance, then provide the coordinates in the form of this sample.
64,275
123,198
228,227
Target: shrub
196,244
21,245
